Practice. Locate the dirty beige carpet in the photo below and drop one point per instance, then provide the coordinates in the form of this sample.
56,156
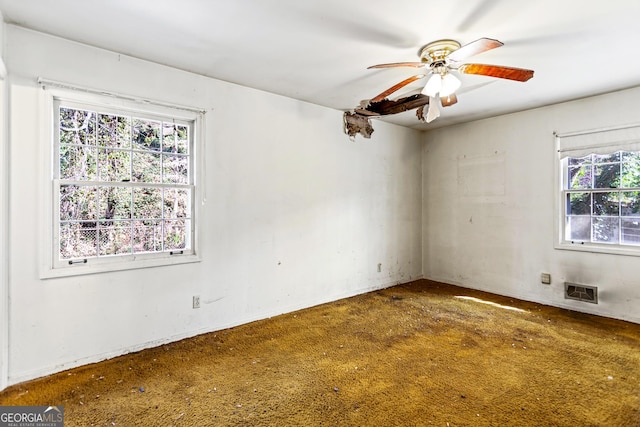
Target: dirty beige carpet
411,355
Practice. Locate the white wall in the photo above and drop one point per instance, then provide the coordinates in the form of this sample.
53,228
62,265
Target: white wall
296,214
4,211
489,197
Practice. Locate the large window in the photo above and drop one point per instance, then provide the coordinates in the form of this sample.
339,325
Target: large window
600,195
123,187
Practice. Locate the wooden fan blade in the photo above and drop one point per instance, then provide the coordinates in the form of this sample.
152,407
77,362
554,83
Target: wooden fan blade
475,47
398,64
511,73
447,101
395,87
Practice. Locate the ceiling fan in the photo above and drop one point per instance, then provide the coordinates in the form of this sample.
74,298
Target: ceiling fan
440,59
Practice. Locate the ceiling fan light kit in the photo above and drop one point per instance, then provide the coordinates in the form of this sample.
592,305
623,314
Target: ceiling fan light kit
441,58
448,100
433,86
450,84
434,111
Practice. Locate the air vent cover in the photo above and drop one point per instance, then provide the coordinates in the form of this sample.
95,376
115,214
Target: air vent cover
581,292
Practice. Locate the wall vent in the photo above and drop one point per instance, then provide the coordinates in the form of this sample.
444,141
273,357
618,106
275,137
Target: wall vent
581,292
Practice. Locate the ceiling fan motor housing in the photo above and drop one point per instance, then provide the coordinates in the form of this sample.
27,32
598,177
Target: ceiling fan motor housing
437,51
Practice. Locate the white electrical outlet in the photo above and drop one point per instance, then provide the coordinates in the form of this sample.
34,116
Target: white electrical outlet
196,301
545,278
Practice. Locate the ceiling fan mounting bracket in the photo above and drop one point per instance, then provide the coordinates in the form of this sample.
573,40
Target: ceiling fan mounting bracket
438,50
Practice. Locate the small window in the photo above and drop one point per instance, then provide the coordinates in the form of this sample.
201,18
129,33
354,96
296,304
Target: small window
123,187
602,199
600,191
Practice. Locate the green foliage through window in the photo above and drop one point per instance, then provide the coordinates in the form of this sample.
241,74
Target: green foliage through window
603,198
124,183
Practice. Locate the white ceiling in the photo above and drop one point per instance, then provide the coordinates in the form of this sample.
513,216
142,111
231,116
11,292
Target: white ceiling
319,50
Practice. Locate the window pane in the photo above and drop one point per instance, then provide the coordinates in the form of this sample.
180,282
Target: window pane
146,134
115,237
175,169
114,165
630,170
580,177
147,236
630,234
175,138
578,228
630,203
115,203
606,204
176,203
607,176
114,131
579,204
147,203
77,240
182,139
77,126
605,230
77,162
168,138
606,158
580,161
146,167
78,203
175,234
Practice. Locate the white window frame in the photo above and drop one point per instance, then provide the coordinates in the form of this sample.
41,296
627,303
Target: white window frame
580,144
53,93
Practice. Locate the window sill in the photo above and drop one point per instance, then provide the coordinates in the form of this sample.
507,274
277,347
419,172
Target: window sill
599,248
129,263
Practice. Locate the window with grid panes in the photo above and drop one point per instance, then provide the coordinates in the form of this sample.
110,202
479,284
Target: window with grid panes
123,184
601,198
